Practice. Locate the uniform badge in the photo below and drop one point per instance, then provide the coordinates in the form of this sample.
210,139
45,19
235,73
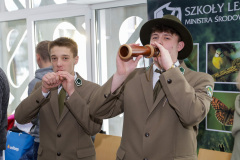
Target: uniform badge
209,91
182,70
78,82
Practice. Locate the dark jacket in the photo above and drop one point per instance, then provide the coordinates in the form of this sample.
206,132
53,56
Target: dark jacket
4,98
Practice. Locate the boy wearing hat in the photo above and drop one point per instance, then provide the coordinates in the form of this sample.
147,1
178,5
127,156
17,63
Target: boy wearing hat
61,100
160,121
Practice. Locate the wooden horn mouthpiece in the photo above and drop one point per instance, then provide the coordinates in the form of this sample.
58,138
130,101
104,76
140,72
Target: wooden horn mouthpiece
126,51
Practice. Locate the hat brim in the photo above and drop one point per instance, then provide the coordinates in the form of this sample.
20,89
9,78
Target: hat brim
145,34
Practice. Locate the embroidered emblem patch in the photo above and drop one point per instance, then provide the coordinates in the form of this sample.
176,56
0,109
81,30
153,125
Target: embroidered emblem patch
78,82
182,70
209,91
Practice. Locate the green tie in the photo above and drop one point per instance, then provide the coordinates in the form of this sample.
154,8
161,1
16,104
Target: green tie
61,98
156,90
157,87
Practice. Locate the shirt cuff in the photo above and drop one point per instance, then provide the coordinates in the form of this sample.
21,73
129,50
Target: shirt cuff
45,94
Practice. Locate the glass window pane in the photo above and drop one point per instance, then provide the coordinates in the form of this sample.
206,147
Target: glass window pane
73,27
14,59
13,5
116,26
39,3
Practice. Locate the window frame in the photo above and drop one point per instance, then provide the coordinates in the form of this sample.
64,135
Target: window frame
70,9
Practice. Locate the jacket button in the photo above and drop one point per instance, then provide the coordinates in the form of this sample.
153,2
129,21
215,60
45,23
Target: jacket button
37,101
145,159
58,154
59,135
169,81
147,134
106,95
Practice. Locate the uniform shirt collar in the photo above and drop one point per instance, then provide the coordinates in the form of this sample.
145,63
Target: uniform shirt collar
156,75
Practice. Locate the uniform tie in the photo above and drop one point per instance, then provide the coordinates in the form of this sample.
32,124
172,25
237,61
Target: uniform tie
157,87
159,71
61,98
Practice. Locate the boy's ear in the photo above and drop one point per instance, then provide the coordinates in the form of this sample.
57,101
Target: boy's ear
180,45
76,60
38,57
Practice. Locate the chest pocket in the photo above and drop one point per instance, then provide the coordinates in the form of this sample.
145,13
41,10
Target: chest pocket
86,152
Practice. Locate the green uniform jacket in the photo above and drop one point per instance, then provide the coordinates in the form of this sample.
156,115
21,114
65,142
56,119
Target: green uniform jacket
162,130
236,130
66,137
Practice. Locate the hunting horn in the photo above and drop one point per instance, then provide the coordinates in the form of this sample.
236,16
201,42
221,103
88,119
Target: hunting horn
126,51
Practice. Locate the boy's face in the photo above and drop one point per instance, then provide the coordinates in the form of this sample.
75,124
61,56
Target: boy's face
169,41
62,59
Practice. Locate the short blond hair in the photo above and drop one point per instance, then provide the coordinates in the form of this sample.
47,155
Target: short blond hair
64,42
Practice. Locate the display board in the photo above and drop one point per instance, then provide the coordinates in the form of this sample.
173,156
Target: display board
215,28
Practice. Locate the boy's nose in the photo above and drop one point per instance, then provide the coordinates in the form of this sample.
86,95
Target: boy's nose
59,63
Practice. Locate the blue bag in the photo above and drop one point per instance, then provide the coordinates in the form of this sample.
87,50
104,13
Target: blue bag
17,144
